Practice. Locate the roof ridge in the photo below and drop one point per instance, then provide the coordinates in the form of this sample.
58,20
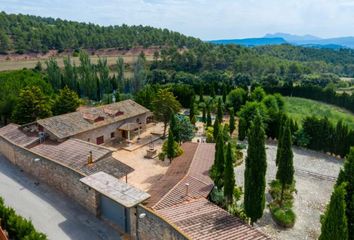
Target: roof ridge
185,176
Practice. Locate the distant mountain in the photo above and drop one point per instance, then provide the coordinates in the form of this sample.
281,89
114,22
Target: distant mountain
292,38
298,40
249,42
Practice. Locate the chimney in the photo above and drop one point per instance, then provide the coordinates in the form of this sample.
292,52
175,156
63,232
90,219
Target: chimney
89,158
187,189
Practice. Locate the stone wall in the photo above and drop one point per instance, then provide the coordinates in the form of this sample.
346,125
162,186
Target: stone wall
52,173
153,226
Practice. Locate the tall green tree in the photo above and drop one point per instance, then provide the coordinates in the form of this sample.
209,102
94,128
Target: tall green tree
282,123
192,109
174,128
237,98
120,74
54,74
232,121
70,75
208,120
164,105
256,167
170,146
334,221
217,170
285,173
229,175
219,113
216,128
67,101
32,105
139,78
346,176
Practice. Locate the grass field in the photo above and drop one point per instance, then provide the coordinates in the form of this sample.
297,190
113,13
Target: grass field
299,108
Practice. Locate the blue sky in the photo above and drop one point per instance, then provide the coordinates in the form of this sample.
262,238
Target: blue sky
206,19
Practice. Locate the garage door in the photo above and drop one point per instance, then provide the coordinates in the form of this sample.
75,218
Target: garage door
115,213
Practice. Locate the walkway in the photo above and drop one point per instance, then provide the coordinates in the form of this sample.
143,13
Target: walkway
51,212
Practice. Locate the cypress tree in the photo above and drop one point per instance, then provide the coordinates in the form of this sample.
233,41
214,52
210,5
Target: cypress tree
334,221
256,167
219,161
192,109
216,127
219,113
285,173
204,114
346,175
232,121
229,176
282,122
242,129
208,120
170,145
174,129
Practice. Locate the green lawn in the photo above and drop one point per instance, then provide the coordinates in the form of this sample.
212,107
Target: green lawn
299,108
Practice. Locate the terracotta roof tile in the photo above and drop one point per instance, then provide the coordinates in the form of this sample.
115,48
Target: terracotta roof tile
202,220
13,133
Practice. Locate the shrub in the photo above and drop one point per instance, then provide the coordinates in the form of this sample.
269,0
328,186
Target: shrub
177,150
17,226
283,216
275,191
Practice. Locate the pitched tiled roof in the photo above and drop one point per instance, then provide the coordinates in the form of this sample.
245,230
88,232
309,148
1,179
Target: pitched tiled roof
73,153
190,168
70,124
13,133
203,220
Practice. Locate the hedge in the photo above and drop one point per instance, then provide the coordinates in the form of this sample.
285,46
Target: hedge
16,226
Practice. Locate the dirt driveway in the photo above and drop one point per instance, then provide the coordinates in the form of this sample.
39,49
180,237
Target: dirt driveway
315,175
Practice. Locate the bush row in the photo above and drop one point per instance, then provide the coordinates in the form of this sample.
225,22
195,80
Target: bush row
16,226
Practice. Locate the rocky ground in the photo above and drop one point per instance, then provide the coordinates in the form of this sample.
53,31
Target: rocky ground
315,175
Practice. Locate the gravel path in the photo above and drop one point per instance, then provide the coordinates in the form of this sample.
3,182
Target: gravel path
315,175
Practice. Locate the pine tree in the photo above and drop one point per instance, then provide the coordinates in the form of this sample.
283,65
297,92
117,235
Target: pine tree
334,221
346,175
32,105
229,176
208,120
285,173
67,101
256,167
170,145
232,121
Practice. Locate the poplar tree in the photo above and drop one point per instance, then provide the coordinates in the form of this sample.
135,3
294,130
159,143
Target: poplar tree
174,129
232,121
346,175
229,176
334,221
256,167
285,173
192,109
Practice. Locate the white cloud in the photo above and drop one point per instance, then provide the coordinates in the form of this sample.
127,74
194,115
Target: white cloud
206,19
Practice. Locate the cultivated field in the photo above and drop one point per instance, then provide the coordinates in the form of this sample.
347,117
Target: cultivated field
299,108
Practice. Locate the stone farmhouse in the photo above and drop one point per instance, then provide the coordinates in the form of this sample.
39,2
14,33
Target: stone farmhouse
67,152
98,125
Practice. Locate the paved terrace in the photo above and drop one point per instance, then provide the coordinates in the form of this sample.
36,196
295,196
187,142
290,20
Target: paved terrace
189,209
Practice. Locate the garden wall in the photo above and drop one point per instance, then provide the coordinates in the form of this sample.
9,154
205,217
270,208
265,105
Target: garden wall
53,173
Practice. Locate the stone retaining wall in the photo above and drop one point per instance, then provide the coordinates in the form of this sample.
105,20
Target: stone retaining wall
153,226
52,173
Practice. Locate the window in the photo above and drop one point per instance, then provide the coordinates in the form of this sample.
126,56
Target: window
99,140
112,134
88,140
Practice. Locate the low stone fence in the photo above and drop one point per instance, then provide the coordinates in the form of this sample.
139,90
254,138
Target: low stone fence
152,226
53,173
